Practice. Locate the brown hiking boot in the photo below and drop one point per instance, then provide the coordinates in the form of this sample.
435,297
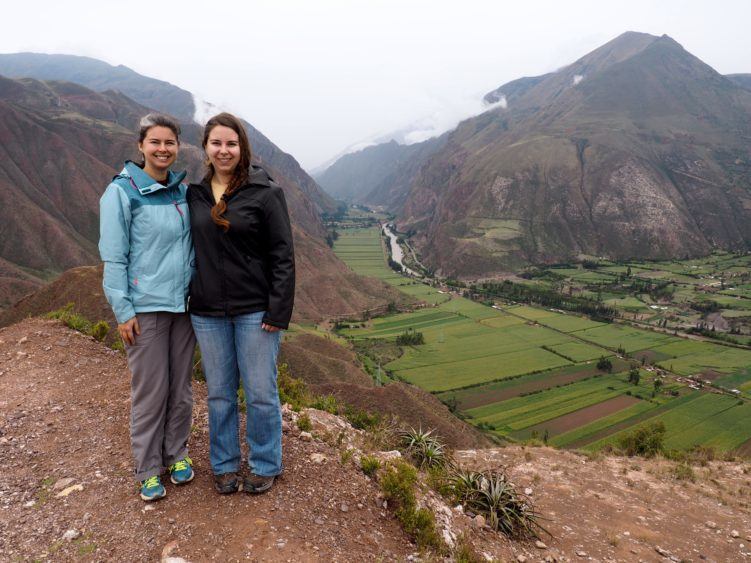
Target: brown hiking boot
226,483
256,484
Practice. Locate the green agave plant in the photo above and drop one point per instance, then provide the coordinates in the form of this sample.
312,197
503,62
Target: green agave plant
425,449
491,494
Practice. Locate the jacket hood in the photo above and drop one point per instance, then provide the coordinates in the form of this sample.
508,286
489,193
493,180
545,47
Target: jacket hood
258,177
145,183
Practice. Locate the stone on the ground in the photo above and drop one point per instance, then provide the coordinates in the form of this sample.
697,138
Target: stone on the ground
62,483
479,521
711,525
317,458
735,534
521,558
71,534
540,545
68,490
306,436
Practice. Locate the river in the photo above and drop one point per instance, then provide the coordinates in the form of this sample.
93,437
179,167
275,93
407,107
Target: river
396,251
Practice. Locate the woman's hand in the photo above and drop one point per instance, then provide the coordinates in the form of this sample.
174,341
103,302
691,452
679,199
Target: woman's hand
270,328
129,330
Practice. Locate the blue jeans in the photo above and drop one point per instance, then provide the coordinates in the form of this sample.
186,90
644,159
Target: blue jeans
235,349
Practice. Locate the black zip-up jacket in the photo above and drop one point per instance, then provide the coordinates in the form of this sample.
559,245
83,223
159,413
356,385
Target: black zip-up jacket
251,267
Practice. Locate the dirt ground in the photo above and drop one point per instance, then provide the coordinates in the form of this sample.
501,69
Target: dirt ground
67,493
64,416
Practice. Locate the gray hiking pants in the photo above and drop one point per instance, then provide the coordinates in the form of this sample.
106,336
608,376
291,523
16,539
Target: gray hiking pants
161,396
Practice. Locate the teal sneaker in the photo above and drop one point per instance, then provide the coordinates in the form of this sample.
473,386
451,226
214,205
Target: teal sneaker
181,471
152,489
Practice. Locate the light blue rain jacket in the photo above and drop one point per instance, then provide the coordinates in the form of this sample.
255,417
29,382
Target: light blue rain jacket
145,244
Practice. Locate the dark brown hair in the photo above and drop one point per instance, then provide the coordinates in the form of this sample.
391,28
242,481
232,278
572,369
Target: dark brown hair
242,170
151,120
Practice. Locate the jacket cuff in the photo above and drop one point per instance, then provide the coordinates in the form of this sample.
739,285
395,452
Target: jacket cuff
125,314
278,324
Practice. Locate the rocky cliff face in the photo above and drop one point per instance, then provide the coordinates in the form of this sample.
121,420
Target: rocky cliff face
636,150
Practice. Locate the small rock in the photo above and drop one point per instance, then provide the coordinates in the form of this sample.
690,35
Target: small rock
65,492
711,525
30,504
70,535
148,508
581,553
62,483
344,507
317,458
528,491
479,521
661,551
540,545
388,456
735,534
459,508
23,339
521,559
319,521
360,505
286,426
306,436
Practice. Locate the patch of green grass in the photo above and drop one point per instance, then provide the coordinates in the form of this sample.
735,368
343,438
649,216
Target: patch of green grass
303,423
98,330
370,465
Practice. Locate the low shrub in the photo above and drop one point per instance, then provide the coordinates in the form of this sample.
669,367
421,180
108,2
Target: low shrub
646,441
303,423
370,465
397,484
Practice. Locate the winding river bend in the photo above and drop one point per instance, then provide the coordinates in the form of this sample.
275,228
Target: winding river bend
396,251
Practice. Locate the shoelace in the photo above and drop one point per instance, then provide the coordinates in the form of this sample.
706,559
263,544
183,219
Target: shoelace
181,465
152,482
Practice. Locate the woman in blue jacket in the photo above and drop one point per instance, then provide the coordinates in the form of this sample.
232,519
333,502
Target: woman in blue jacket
146,247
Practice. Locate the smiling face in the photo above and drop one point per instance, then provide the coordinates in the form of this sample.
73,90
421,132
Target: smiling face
223,150
159,148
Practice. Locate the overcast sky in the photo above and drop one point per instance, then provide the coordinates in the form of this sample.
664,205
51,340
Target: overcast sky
318,76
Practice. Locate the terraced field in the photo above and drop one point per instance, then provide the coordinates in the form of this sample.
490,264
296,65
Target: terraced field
522,371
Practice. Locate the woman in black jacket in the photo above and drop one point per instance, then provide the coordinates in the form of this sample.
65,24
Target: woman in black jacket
240,299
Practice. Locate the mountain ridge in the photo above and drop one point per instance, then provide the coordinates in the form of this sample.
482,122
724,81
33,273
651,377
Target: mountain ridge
601,165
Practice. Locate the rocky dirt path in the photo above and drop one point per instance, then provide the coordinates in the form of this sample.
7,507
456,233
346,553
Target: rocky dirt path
66,487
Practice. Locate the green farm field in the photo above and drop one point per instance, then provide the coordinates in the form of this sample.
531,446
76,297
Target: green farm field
522,370
705,419
362,250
